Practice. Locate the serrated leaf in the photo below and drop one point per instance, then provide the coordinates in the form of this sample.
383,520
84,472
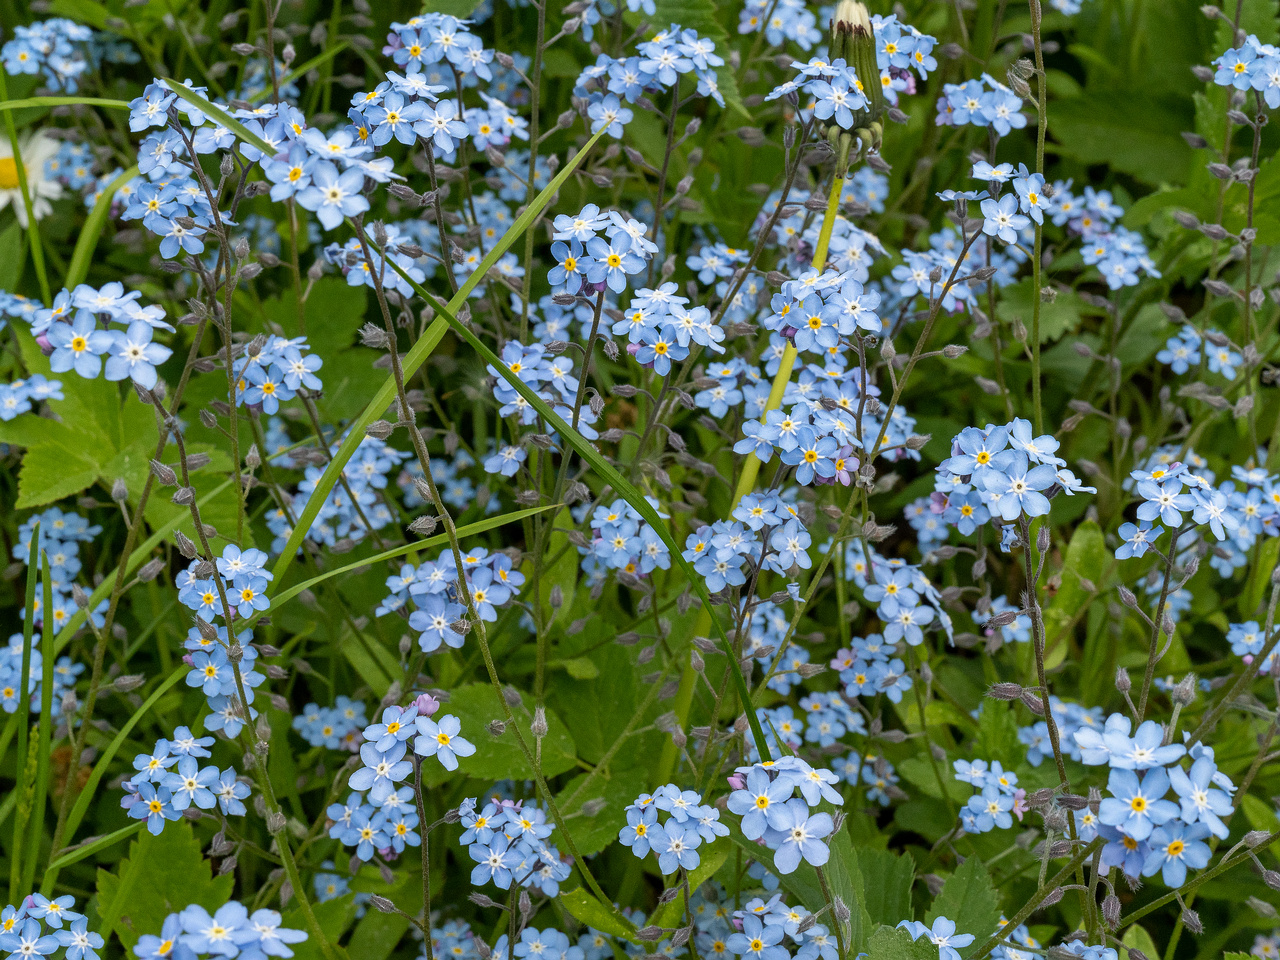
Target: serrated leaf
160,875
891,943
969,900
886,884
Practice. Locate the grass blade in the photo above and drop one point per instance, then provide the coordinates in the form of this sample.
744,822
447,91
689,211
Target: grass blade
100,768
136,560
78,269
8,105
88,848
24,711
480,526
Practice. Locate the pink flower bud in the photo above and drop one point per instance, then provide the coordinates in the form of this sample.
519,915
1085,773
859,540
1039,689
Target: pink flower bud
427,705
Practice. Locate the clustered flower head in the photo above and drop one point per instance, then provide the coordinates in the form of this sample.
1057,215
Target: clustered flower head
676,840
764,797
429,594
23,929
229,931
169,780
507,840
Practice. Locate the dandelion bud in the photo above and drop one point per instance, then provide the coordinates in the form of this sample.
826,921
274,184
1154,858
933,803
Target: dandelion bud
853,39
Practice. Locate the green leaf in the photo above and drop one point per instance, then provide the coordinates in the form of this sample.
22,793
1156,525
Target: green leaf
1087,557
11,256
1138,938
1137,137
455,8
713,856
580,668
886,884
969,900
584,907
1261,816
78,269
161,875
1058,318
98,436
702,16
500,758
334,917
592,834
890,943
1259,581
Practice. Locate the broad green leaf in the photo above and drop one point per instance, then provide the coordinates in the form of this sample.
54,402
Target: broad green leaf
1137,938
1087,557
334,917
886,884
1261,816
890,943
11,256
969,900
161,875
579,668
586,908
713,856
591,834
500,758
1259,583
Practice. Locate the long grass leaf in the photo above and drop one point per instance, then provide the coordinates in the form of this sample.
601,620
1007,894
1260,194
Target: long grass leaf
100,768
136,559
439,540
90,233
8,105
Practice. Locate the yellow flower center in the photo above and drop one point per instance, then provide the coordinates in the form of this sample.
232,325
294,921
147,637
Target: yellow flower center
8,173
